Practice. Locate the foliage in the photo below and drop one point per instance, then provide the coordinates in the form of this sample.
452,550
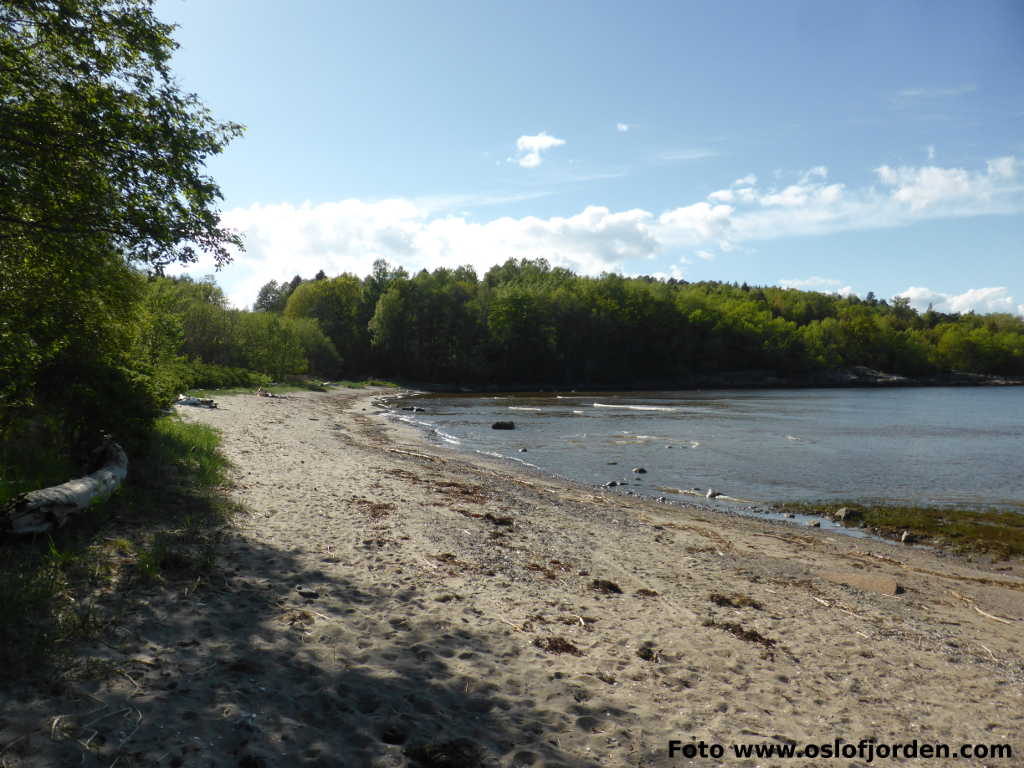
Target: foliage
163,523
101,173
230,347
99,145
334,305
527,323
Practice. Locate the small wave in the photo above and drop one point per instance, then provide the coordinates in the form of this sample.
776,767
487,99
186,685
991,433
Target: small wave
428,427
578,412
497,455
411,420
637,407
524,408
450,439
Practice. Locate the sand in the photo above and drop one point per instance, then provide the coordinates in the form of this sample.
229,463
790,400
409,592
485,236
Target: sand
387,602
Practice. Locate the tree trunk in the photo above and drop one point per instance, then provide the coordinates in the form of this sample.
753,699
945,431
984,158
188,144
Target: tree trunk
49,508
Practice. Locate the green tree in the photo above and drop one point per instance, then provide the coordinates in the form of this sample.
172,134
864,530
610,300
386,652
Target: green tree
335,304
101,168
271,298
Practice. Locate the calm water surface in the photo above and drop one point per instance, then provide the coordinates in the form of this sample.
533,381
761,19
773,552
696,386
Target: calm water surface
951,446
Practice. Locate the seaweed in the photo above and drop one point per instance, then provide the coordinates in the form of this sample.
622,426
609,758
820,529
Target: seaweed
648,652
748,635
548,573
605,586
557,645
735,601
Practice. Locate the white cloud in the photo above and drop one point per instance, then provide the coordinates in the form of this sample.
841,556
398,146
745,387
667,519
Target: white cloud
706,255
820,284
677,155
994,299
692,224
530,147
284,239
622,127
935,93
931,153
931,185
817,172
1002,167
791,196
747,181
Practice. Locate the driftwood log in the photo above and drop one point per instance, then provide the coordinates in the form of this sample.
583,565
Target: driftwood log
49,508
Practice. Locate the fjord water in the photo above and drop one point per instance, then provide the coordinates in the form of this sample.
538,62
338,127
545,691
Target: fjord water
946,446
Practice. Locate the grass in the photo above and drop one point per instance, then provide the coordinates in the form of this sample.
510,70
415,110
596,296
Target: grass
994,532
164,525
30,459
303,386
367,383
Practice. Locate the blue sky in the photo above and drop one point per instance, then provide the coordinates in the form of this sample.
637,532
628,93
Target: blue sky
834,146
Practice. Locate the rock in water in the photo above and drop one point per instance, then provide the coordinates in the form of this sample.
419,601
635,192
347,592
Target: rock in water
503,425
640,470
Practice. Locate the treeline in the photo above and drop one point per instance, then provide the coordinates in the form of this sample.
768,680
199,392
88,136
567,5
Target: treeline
526,322
102,183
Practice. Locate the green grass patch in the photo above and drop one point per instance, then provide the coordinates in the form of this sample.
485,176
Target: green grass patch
995,532
309,385
366,383
186,451
32,457
166,524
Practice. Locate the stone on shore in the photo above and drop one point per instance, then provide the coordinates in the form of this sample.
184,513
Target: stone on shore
846,515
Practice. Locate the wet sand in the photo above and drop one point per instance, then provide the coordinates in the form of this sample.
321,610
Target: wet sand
387,602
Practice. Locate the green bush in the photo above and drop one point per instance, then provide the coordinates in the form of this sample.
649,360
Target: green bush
209,376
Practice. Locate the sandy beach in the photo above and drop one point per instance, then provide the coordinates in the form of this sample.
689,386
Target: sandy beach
387,602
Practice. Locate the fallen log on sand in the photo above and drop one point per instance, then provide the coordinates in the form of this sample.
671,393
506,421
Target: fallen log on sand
49,508
202,402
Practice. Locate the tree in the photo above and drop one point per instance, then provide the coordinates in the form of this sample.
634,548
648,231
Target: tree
334,303
101,168
97,142
271,298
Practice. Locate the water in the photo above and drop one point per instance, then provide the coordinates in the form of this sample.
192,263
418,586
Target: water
944,446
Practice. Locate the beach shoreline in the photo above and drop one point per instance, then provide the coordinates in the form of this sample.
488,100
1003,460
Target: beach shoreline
387,601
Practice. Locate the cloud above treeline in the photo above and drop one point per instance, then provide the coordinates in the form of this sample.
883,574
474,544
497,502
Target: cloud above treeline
347,236
530,148
995,299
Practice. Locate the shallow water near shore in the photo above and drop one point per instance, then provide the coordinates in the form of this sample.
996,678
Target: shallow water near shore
958,447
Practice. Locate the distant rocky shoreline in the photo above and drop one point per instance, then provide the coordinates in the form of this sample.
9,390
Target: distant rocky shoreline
857,376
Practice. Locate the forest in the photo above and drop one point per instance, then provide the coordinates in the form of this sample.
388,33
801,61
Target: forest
528,323
103,188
